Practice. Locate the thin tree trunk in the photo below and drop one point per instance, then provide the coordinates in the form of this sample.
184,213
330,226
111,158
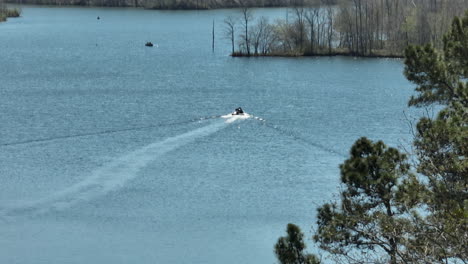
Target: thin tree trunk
213,40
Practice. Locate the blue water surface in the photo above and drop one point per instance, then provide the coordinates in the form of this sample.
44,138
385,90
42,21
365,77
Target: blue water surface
112,152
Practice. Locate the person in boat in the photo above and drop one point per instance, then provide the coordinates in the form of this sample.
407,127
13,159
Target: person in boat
238,111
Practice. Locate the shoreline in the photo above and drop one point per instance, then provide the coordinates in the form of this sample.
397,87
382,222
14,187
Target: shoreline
305,55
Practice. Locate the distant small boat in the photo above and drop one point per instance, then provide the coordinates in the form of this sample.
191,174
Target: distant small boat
149,44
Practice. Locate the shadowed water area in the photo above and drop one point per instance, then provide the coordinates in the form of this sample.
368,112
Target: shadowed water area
113,152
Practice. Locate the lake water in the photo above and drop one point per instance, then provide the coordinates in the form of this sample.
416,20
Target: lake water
112,152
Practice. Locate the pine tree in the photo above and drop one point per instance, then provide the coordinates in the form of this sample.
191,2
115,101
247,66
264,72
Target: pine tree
442,144
290,249
370,221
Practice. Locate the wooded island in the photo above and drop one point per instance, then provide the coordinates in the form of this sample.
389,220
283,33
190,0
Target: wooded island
374,28
8,12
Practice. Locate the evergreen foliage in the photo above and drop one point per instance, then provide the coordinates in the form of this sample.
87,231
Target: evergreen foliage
442,143
290,249
371,215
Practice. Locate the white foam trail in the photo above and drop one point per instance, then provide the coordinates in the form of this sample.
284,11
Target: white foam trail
232,118
114,174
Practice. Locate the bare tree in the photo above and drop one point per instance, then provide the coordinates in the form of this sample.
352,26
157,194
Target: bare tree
283,38
229,29
311,17
262,37
268,39
247,17
299,25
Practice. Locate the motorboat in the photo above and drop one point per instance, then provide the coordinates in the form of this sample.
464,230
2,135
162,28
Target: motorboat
238,111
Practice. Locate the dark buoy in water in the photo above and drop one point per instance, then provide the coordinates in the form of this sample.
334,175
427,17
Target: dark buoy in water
149,44
98,18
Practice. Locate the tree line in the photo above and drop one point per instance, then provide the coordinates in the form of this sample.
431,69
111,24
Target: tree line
354,27
392,210
165,4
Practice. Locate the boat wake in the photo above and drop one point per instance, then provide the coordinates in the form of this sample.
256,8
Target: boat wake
296,136
104,132
115,174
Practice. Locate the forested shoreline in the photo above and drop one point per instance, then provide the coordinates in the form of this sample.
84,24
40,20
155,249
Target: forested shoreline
165,4
367,28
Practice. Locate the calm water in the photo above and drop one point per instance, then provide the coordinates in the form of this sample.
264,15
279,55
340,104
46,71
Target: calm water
111,152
